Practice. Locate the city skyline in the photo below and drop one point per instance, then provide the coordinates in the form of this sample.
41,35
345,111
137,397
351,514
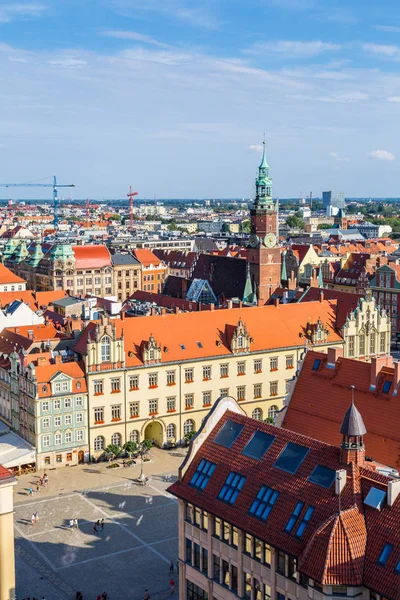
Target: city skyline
174,97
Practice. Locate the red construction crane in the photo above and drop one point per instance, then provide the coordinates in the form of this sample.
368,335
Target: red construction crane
131,196
10,209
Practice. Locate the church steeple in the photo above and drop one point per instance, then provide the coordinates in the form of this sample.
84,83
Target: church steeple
263,182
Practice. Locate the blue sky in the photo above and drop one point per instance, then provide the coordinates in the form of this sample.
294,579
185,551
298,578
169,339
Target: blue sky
173,96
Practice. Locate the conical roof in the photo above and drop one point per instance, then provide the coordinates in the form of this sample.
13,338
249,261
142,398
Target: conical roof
264,164
353,424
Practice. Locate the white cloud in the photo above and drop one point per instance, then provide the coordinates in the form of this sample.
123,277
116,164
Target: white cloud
390,51
9,12
343,97
293,48
68,63
256,147
389,28
182,10
393,99
133,35
163,57
336,156
382,155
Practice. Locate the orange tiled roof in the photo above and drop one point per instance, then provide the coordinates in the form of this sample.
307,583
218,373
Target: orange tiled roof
27,296
319,414
269,326
147,257
92,257
44,373
7,276
45,298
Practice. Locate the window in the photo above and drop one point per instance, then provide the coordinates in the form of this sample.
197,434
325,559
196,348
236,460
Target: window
134,436
289,361
67,403
228,433
202,474
339,590
207,373
206,398
361,345
170,377
294,516
79,435
257,414
225,573
273,363
386,387
116,439
351,345
281,563
257,390
57,439
258,365
188,375
291,457
384,555
316,364
322,476
196,556
189,401
98,387
273,388
272,412
304,521
188,426
263,503
61,386
45,406
115,384
134,382
241,392
79,417
57,404
57,421
153,380
372,343
171,403
68,419
45,423
105,347
216,568
78,401
241,368
257,446
99,443
224,370
397,568
170,431
68,437
383,342
224,392
231,488
153,407
116,412
134,409
188,551
204,560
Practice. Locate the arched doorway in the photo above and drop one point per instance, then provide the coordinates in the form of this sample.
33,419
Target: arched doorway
81,457
154,431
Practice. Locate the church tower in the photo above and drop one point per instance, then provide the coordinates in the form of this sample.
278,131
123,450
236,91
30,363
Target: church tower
263,253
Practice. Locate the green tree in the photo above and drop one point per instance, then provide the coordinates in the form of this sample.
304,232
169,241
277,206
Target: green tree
324,226
115,217
130,447
295,221
190,435
147,444
246,226
113,449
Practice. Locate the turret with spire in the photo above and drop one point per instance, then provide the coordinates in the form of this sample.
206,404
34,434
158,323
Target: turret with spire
352,430
263,182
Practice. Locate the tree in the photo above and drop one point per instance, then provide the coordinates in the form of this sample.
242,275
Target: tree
115,217
130,447
190,435
295,221
113,449
246,226
270,420
146,445
324,226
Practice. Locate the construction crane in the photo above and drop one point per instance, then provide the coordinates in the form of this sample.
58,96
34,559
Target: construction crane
87,212
53,185
131,195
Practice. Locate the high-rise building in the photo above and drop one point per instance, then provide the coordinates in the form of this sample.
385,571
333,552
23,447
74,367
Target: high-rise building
333,199
263,253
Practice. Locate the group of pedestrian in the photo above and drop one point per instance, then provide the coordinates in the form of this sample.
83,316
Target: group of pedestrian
35,518
171,566
98,526
73,524
102,596
33,598
43,481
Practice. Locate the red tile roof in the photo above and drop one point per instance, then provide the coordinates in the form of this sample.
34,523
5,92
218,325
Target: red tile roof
346,302
319,414
147,258
341,542
92,257
269,327
7,276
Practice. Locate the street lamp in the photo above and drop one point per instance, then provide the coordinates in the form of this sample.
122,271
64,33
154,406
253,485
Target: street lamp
142,477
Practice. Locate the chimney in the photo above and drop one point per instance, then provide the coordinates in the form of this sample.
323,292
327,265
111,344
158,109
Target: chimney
333,355
212,306
393,491
41,361
377,362
340,481
260,303
285,298
321,296
57,359
177,310
276,302
396,377
230,304
163,311
30,334
153,311
240,304
122,316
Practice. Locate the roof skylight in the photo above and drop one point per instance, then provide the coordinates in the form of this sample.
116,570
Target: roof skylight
293,517
384,556
202,474
375,498
322,476
263,503
257,446
316,364
231,488
304,521
291,457
228,433
386,387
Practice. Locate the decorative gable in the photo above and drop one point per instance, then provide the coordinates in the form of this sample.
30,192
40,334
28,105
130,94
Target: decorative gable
151,351
241,339
317,333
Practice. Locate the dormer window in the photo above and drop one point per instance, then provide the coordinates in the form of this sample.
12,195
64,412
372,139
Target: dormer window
151,351
241,339
105,349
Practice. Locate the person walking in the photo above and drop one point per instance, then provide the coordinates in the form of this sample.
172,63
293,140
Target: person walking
37,487
172,585
33,519
95,530
71,524
36,517
98,524
102,524
75,523
171,566
30,491
146,595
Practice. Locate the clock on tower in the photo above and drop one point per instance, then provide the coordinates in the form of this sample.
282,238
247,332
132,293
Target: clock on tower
263,252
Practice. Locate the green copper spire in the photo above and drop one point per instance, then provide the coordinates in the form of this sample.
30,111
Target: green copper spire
263,183
264,164
320,279
283,271
248,294
36,255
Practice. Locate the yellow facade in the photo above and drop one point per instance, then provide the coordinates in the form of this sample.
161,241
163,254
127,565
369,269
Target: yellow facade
7,563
